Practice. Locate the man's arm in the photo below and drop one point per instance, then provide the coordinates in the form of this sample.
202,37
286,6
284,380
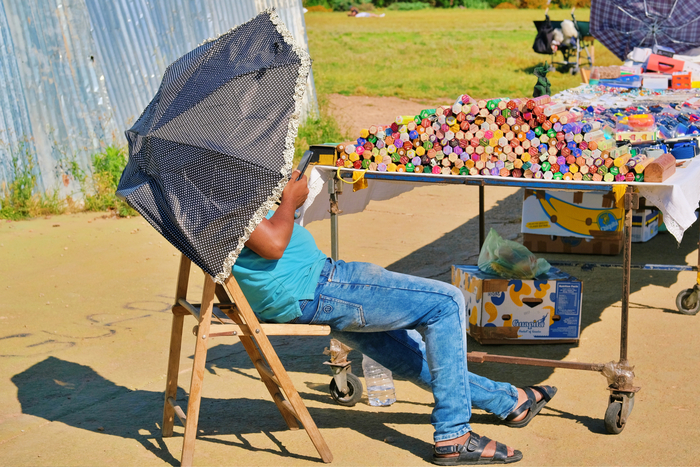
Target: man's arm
271,237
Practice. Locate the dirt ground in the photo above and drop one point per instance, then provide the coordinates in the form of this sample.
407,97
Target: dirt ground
85,320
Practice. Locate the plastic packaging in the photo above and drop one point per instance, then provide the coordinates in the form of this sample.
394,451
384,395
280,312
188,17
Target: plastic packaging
338,352
509,259
379,382
619,375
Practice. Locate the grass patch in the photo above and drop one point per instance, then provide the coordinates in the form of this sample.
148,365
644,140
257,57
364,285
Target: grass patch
318,129
107,169
434,54
18,199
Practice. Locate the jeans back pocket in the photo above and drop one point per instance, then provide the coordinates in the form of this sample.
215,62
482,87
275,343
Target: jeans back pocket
339,314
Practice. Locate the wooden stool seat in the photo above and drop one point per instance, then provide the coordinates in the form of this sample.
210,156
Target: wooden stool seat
232,316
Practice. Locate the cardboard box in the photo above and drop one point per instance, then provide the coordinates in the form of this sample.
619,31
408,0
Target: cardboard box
602,243
645,224
503,311
582,214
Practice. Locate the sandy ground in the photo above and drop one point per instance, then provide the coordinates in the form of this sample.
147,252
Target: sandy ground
84,316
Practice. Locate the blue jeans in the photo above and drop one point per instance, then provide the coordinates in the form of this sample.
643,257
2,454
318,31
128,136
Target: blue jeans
415,327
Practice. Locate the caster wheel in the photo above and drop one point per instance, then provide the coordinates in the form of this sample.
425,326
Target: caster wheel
354,391
687,302
612,418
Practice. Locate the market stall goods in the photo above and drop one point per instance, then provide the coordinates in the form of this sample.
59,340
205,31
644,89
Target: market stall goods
528,138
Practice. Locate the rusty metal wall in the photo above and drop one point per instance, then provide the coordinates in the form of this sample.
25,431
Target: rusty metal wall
75,74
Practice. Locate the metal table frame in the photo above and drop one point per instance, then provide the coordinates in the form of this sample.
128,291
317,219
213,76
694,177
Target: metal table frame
620,376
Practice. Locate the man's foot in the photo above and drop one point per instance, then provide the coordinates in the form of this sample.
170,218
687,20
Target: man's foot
531,399
472,449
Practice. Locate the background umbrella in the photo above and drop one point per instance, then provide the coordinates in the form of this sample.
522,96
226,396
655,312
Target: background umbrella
213,150
622,25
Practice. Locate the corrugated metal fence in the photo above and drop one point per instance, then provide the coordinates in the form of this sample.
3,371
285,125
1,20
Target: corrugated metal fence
74,74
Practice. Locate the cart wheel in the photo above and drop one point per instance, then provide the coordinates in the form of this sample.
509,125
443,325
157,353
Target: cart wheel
354,391
687,302
612,418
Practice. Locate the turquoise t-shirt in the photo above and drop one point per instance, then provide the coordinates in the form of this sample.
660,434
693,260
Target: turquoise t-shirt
274,287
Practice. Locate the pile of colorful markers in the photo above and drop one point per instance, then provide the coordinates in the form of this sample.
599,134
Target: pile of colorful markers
530,138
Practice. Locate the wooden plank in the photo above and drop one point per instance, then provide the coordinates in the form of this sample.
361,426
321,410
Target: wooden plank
262,368
183,277
200,358
223,330
178,411
190,308
173,370
252,351
278,369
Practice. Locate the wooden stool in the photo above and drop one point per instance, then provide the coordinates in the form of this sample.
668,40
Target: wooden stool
244,324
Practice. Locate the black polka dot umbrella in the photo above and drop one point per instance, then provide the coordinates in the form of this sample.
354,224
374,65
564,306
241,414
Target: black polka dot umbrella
213,150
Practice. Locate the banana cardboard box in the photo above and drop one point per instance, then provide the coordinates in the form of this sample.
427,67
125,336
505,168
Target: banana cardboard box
503,311
570,213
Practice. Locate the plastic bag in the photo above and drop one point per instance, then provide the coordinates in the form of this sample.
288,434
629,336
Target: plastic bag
509,259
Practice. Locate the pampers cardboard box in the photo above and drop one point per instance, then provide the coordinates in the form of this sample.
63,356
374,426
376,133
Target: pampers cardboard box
513,311
557,221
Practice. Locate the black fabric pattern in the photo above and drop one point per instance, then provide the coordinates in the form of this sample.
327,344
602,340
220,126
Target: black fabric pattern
213,149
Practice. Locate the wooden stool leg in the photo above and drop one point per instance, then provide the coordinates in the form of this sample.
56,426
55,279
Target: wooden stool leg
173,370
200,358
294,399
183,278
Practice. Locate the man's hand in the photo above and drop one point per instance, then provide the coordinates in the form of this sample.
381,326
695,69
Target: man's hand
271,237
296,191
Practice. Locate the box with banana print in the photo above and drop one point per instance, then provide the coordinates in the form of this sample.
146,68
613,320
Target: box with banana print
514,311
570,213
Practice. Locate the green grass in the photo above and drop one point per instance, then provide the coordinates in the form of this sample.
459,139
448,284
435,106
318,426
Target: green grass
101,194
434,55
317,129
18,198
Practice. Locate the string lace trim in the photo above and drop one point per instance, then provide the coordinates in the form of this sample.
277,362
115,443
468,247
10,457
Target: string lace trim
288,154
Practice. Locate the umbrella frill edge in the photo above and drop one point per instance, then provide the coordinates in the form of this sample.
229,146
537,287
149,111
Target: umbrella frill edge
288,154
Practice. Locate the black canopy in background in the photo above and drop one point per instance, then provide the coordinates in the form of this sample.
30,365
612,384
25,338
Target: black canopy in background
622,25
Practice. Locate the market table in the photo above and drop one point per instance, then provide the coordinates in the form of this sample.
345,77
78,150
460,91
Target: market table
677,197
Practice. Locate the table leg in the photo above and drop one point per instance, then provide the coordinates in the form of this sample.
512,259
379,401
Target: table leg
335,189
482,236
626,262
631,202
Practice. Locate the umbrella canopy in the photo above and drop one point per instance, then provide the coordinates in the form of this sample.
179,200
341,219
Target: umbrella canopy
213,150
622,25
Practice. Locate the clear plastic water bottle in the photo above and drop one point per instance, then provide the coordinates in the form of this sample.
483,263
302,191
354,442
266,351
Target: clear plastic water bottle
380,384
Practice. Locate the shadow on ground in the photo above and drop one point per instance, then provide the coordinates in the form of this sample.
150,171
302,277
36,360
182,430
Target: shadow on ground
74,394
602,287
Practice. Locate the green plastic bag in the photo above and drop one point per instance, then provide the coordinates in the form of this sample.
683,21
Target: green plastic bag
509,259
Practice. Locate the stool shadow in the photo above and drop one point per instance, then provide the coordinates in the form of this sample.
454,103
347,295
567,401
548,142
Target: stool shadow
75,395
